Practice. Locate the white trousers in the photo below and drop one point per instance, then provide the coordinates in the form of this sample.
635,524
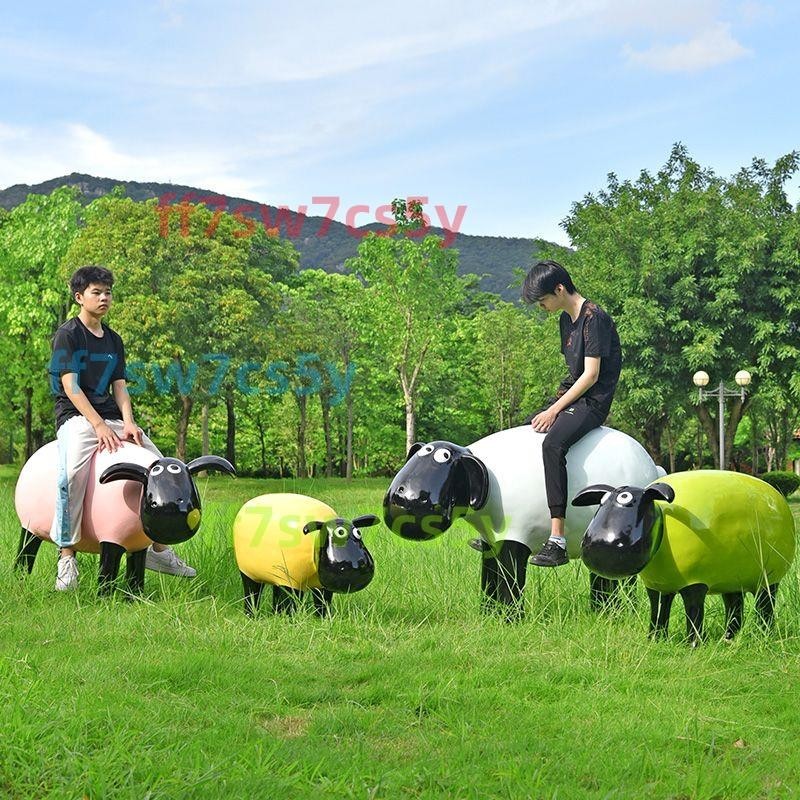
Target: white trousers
77,443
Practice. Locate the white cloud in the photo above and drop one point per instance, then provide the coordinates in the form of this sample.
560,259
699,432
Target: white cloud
284,48
709,48
676,16
172,12
29,155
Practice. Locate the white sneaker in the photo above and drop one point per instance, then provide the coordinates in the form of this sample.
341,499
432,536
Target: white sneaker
67,576
168,562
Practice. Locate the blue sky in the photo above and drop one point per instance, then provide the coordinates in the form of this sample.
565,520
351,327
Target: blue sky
512,109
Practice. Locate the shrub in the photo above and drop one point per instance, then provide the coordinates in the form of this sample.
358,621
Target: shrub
784,482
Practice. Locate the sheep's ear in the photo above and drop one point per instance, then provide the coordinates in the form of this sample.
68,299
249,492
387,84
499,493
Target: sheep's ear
125,471
478,480
659,491
366,521
313,526
413,449
591,495
210,463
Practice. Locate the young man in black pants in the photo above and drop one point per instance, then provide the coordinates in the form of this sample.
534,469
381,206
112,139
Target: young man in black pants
590,345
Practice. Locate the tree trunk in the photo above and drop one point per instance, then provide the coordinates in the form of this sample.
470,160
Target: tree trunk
782,446
302,405
411,426
204,427
653,430
710,428
753,443
28,419
326,429
230,436
734,419
411,419
670,445
263,443
349,447
183,426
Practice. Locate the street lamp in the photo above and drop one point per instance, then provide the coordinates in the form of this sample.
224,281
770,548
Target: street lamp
700,379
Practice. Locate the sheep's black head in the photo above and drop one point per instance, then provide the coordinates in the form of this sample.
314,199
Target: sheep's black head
625,530
170,508
439,482
343,562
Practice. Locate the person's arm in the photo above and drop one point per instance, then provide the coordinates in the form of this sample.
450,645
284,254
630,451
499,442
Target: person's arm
564,386
591,372
130,430
105,435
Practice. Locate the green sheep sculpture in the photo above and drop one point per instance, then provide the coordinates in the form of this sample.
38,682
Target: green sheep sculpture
693,533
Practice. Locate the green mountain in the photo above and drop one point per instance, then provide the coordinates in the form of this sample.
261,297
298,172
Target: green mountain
321,242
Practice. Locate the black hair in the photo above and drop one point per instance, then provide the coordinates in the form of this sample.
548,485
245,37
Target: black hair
543,279
81,279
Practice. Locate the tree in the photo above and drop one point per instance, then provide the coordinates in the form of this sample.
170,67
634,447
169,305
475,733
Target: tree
692,269
188,300
33,240
332,306
517,357
412,288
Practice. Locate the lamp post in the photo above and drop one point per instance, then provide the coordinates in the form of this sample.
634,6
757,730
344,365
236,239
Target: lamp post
700,379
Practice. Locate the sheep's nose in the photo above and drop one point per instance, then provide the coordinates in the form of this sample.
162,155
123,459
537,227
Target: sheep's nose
401,490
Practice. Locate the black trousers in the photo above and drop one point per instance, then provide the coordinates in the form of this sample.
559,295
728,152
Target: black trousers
571,424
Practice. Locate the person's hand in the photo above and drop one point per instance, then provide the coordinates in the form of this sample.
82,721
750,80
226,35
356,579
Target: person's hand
107,438
131,432
544,420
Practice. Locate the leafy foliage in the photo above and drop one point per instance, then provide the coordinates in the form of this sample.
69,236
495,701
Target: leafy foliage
785,482
335,373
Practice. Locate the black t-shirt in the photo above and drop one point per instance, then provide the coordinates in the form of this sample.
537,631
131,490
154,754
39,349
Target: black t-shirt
592,334
98,361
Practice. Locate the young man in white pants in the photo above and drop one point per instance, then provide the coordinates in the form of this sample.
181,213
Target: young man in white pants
88,360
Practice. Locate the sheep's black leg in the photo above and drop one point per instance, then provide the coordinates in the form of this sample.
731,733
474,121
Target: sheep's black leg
512,567
601,591
134,571
694,601
734,613
284,599
765,604
660,606
252,594
322,602
29,544
488,581
110,556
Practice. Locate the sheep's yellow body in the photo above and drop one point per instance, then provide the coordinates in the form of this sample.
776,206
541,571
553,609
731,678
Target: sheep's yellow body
270,544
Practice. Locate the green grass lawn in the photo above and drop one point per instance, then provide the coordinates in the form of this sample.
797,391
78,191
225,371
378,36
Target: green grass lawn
407,691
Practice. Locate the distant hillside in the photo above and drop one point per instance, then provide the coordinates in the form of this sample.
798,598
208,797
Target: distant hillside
494,257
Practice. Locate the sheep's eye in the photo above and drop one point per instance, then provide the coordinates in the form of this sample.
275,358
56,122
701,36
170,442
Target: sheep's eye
356,534
340,531
157,469
424,451
441,455
173,468
605,497
624,498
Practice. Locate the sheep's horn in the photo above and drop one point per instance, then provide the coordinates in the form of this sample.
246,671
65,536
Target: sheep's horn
210,462
125,471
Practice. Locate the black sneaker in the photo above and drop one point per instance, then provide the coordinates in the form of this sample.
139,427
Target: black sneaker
551,555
